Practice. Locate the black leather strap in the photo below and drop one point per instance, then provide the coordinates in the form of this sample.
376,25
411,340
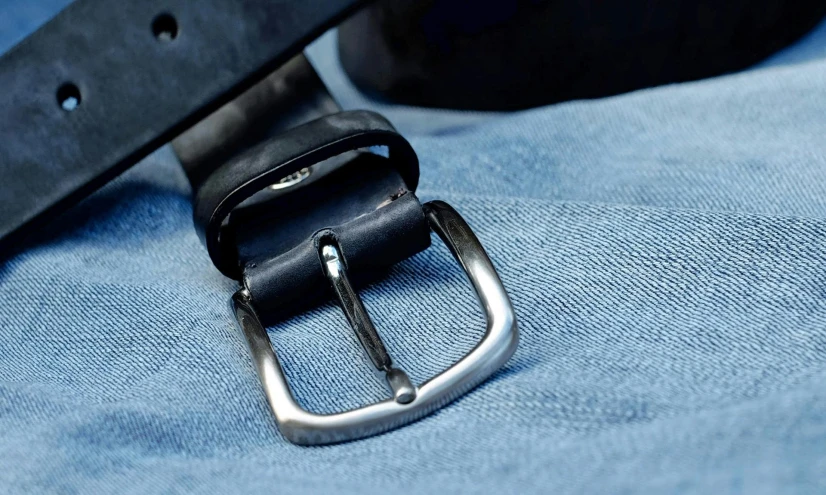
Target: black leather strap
140,83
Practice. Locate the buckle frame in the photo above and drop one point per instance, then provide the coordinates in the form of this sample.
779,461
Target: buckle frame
494,349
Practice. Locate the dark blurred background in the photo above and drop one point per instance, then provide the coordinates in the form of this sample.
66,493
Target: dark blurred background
504,55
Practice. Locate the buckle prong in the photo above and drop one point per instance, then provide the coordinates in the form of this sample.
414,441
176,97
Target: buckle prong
403,390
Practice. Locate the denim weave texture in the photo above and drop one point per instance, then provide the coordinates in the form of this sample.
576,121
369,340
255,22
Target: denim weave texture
665,251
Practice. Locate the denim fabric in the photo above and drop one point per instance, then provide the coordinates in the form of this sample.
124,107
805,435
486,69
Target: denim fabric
665,251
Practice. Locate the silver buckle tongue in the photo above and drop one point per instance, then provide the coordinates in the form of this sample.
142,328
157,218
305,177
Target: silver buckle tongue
403,391
409,403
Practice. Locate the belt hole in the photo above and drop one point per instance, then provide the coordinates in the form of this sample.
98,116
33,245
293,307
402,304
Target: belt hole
165,27
68,97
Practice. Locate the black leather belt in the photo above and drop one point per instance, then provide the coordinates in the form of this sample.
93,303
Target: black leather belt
296,200
143,72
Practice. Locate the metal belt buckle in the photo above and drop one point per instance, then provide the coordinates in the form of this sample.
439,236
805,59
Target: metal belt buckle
409,402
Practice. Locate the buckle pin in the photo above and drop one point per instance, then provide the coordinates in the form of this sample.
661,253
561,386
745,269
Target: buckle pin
403,390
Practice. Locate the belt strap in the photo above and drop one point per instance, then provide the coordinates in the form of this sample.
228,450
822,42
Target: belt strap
106,82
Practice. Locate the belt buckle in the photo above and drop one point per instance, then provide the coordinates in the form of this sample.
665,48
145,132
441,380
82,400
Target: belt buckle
409,403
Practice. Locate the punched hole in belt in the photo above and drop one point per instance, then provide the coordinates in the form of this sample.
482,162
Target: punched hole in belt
165,27
68,96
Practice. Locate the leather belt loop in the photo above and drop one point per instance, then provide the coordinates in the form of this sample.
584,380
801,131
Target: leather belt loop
297,149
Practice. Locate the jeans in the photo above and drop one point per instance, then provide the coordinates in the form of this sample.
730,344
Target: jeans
665,251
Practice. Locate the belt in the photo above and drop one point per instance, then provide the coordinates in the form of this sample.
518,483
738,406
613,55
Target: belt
295,199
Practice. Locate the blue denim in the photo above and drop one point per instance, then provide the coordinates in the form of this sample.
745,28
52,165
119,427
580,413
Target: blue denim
665,251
